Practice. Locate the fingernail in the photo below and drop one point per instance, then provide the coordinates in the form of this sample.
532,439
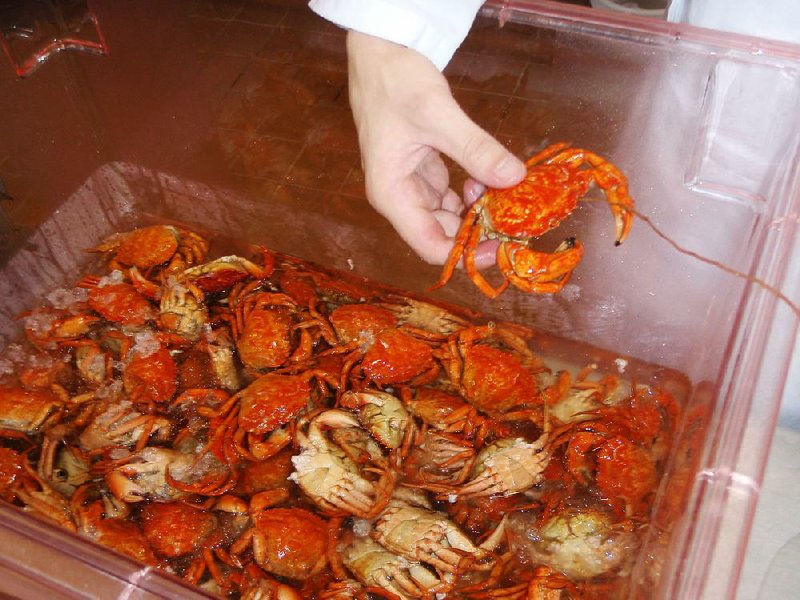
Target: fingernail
510,170
473,192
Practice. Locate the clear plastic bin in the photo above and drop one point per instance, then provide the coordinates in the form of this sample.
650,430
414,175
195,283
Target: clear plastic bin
202,113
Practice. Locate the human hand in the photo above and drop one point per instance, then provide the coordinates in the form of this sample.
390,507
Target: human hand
406,115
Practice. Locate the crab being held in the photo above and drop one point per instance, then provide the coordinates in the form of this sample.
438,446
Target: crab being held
555,182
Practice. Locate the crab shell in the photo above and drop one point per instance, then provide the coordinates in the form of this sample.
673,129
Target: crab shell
547,196
290,542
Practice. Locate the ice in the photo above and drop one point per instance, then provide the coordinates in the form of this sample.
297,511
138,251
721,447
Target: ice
145,343
361,527
112,278
39,361
13,357
63,298
6,367
40,321
97,364
110,391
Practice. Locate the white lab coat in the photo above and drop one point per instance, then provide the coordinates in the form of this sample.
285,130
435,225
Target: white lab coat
435,28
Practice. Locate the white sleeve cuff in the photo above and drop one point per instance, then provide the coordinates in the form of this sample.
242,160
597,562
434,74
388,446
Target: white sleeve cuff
434,28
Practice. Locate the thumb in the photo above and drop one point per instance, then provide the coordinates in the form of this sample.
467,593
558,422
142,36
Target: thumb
482,156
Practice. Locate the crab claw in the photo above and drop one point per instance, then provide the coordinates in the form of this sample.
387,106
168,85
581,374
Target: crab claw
540,272
622,209
611,180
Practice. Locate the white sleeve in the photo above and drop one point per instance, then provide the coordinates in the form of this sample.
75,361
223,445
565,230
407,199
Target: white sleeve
435,28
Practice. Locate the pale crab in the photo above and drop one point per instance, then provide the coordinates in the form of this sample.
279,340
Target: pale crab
555,182
383,414
420,534
507,466
374,566
330,478
163,475
182,309
118,423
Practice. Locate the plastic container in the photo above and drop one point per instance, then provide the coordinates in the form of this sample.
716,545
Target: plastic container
208,117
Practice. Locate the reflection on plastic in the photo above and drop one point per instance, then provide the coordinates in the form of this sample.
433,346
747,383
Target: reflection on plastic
736,132
33,31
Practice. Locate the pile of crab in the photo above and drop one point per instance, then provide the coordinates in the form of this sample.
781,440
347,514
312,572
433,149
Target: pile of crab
265,428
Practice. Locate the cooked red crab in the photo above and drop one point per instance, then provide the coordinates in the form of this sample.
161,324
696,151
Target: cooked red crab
555,182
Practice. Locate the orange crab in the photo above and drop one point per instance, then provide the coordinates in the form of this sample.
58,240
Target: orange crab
289,542
149,247
151,378
493,369
556,181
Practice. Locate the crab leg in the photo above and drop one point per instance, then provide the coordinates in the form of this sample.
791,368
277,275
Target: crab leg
472,270
548,153
611,180
463,236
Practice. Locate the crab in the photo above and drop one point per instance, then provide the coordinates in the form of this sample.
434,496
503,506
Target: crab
152,246
176,529
288,542
226,271
114,532
265,408
507,466
623,471
374,566
163,475
118,302
94,365
28,411
330,478
445,412
421,534
221,352
255,584
150,377
63,468
183,309
579,543
620,448
493,369
118,423
382,414
359,323
46,326
41,498
271,329
555,182
398,357
438,461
